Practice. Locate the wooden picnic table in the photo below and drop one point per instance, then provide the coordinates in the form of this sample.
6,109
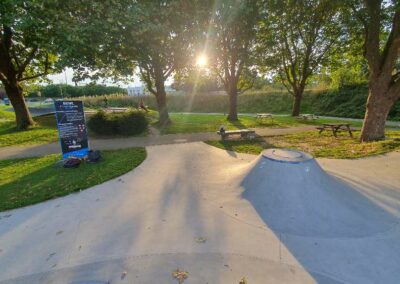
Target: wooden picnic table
264,115
307,116
116,109
335,128
244,133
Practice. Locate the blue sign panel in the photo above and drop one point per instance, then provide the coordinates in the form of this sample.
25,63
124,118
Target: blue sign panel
72,128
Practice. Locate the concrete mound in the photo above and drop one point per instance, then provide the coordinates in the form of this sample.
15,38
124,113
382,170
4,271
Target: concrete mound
294,195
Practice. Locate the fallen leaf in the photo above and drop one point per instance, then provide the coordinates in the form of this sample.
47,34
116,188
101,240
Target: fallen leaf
180,275
123,275
201,240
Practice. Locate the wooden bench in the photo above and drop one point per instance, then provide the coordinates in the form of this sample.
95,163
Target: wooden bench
116,109
261,116
244,133
335,128
307,117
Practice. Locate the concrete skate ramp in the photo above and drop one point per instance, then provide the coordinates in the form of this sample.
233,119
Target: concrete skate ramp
293,195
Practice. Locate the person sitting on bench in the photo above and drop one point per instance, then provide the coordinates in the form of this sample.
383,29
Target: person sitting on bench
142,106
222,130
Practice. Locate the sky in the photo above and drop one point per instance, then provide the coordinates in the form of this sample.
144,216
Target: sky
66,77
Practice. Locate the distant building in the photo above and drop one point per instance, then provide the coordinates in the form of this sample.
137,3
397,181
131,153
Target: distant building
141,91
169,89
138,91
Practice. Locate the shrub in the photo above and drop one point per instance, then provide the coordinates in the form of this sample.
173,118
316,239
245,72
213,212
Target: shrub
103,123
132,123
129,123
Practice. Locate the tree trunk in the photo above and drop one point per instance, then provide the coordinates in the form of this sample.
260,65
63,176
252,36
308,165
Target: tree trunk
384,86
161,98
233,94
22,114
163,118
378,108
297,104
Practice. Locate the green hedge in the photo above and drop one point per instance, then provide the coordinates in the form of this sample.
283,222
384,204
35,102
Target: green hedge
346,102
128,123
349,101
251,102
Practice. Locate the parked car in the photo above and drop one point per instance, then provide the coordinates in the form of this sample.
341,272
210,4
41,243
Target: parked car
49,100
6,101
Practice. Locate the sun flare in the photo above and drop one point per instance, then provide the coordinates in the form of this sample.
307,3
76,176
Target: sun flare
201,60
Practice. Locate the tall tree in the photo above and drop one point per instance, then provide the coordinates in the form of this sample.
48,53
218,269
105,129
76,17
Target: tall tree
24,50
231,39
381,24
161,42
151,37
294,40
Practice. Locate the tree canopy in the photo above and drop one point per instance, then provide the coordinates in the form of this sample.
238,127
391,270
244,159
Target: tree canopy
230,44
294,40
27,50
151,37
348,41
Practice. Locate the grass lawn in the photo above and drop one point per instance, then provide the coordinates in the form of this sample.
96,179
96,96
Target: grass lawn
192,123
324,145
38,134
44,131
31,180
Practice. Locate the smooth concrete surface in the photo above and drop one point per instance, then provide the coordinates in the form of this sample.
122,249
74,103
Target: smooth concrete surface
184,208
293,195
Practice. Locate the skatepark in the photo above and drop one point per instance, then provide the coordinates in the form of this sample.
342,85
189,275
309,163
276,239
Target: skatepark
280,217
199,142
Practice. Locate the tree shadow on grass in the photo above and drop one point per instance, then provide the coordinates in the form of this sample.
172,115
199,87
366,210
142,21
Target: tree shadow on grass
256,123
237,123
9,127
46,121
50,180
43,184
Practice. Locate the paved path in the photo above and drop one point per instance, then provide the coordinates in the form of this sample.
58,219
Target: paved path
182,208
121,143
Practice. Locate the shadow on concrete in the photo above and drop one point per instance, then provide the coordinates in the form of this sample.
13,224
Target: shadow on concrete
330,226
157,235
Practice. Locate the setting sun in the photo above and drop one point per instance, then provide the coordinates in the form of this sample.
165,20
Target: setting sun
201,60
